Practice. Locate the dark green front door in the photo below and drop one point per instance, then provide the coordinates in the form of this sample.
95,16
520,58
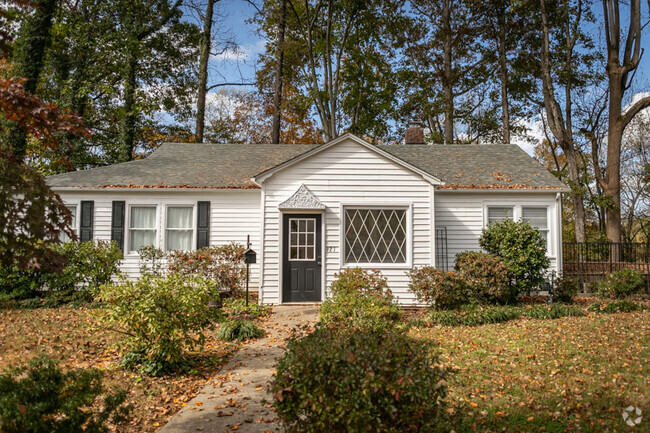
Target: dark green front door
301,252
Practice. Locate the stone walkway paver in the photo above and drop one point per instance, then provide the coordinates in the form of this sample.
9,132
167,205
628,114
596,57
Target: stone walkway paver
232,401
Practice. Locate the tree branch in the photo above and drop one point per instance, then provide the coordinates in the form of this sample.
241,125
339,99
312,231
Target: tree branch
634,110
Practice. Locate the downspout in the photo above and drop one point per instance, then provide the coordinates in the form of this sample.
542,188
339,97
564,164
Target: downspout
558,212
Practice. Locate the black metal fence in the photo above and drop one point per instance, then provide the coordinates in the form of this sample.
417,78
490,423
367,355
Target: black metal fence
591,261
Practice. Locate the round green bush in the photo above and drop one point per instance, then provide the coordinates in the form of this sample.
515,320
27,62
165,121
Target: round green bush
522,249
620,284
347,380
362,299
437,288
486,277
160,317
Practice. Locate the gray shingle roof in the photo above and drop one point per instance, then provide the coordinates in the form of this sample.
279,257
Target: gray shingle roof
468,166
184,165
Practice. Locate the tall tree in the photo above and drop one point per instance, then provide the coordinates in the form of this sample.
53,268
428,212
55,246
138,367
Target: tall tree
206,46
139,27
279,74
561,68
34,37
445,66
622,63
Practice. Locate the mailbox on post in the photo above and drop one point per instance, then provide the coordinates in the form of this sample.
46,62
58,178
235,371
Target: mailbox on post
250,257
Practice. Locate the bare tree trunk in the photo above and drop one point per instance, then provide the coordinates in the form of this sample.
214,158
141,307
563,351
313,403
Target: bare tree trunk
618,72
560,124
129,119
277,85
503,75
447,79
204,57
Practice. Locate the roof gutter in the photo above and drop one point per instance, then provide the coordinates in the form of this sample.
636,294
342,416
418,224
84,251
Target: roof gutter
503,190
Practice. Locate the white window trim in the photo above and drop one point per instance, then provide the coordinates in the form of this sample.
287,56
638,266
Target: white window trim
408,207
518,214
164,228
128,228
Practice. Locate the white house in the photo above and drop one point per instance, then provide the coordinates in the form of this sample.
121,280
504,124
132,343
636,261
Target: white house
312,210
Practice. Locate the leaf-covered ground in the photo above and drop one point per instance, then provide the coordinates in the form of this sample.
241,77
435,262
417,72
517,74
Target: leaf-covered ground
574,374
77,340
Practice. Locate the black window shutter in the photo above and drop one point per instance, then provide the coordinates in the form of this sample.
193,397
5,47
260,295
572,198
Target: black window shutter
86,221
203,224
117,223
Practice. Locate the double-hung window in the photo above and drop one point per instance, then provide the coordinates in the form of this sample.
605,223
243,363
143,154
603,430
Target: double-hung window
142,227
375,236
499,213
179,228
536,216
73,224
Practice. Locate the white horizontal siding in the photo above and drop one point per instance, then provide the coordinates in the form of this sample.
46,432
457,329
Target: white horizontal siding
462,214
234,214
347,174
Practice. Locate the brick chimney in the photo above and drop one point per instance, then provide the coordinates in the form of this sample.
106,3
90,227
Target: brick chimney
414,134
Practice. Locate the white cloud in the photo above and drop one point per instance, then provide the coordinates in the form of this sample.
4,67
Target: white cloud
242,52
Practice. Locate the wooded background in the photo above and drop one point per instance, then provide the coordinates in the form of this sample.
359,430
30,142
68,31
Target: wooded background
137,73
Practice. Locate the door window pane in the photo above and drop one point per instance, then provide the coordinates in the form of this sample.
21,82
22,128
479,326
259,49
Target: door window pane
302,239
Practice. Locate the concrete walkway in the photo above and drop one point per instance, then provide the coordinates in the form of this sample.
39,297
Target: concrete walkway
234,399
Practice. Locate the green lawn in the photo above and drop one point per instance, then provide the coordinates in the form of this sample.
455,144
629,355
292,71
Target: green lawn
570,374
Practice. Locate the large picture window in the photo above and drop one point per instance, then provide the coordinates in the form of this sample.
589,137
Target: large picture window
375,236
142,227
179,228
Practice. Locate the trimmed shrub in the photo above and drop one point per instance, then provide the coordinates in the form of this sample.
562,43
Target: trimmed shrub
486,277
566,288
160,316
239,330
622,306
350,380
40,398
522,250
224,265
437,288
357,280
88,266
620,284
554,311
362,299
474,316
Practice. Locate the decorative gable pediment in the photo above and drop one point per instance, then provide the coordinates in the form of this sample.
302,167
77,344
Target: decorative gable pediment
302,199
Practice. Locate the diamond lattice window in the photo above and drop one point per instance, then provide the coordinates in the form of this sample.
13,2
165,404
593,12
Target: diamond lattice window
375,235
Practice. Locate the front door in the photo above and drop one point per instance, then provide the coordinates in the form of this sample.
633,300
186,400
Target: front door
301,252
